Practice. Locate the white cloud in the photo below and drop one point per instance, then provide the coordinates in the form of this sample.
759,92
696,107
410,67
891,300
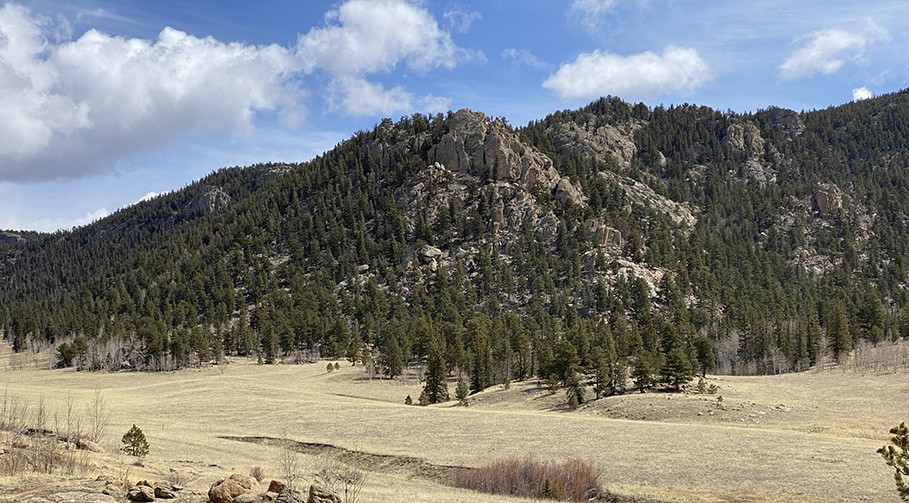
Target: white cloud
826,51
52,224
364,36
71,108
591,12
148,197
638,76
523,57
862,93
361,97
461,21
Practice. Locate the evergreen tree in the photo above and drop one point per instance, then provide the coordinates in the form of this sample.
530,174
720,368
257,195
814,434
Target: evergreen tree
436,388
392,358
643,370
134,442
897,457
839,339
462,391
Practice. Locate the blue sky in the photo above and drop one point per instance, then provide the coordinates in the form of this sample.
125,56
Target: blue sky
104,103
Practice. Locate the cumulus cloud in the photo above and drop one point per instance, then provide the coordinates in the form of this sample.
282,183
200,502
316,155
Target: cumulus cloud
370,36
523,57
826,51
862,93
360,97
71,108
638,76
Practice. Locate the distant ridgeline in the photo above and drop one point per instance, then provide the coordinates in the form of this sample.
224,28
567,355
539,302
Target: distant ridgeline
670,240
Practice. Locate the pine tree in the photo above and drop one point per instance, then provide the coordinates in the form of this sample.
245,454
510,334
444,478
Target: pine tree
462,391
436,387
839,340
897,457
134,442
643,369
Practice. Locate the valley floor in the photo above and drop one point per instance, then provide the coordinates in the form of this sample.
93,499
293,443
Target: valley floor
798,437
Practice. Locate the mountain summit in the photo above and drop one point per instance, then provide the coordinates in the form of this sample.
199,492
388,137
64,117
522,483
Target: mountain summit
680,236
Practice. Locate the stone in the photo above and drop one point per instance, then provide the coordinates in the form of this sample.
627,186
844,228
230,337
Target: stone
226,490
319,494
566,191
164,492
429,254
829,198
246,498
141,493
289,496
615,142
88,445
209,200
276,486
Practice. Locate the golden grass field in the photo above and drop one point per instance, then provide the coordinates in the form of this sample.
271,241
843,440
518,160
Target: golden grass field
798,437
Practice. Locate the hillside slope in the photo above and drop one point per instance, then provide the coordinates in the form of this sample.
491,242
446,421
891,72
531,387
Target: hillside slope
684,237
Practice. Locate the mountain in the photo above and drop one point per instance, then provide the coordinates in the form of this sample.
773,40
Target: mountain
674,239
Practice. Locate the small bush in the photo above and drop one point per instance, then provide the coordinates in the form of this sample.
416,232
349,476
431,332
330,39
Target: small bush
257,473
462,391
134,442
572,480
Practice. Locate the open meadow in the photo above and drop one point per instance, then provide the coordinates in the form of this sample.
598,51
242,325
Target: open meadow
796,437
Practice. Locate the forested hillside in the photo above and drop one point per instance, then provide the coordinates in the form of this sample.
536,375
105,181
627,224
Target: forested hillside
609,240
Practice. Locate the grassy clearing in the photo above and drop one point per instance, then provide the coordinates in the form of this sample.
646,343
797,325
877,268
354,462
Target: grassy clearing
822,449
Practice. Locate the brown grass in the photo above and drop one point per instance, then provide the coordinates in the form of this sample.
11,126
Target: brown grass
570,480
820,447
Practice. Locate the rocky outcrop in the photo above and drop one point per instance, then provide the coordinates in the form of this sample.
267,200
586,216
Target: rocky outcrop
565,191
786,121
269,173
476,145
637,192
10,238
614,142
319,494
226,490
830,198
209,200
605,236
745,140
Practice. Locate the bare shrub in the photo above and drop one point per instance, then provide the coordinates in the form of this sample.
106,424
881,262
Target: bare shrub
257,473
342,479
571,480
98,416
289,463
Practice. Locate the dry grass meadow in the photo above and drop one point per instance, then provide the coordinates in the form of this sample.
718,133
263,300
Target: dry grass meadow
799,437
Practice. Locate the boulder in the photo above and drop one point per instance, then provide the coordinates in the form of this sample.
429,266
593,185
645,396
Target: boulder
226,490
429,254
276,486
165,492
319,494
141,493
566,191
88,445
289,496
247,498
